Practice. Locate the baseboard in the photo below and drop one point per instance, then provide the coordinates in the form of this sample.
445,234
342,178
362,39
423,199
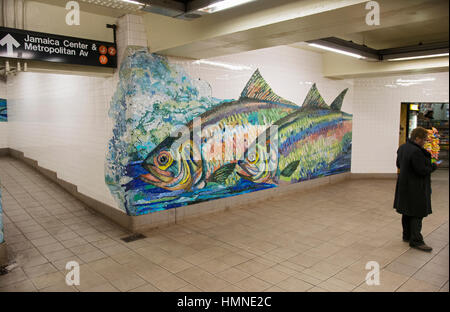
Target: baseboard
4,151
3,254
175,215
360,176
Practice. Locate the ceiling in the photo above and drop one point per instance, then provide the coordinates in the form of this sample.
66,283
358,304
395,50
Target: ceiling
402,23
431,31
116,8
403,35
93,6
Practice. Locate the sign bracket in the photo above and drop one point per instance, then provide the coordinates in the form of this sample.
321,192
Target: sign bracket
114,28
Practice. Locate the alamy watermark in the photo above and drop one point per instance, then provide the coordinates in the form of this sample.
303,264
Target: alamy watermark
73,16
224,142
373,276
373,16
73,276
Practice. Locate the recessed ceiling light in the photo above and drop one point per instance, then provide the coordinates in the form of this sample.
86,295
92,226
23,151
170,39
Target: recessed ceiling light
223,5
223,65
417,57
132,5
416,80
133,2
336,50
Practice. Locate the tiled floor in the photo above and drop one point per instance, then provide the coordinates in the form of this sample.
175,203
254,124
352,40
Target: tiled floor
316,241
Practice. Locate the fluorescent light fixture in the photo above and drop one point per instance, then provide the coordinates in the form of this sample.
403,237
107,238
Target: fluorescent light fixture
133,2
336,50
132,5
417,57
223,5
410,82
416,80
223,65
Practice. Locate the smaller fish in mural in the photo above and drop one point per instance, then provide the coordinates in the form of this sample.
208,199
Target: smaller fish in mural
307,142
208,152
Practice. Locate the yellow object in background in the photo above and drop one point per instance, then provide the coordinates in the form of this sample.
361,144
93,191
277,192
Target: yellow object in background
432,144
414,107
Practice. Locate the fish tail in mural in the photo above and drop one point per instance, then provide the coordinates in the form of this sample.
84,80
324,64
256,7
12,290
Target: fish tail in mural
219,141
311,142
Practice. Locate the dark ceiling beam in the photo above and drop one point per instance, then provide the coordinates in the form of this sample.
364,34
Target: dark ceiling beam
169,8
194,5
181,10
416,50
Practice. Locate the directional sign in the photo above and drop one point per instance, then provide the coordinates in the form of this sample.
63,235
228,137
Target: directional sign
30,45
10,42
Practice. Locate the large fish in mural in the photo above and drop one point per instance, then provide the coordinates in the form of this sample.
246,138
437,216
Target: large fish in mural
302,145
173,164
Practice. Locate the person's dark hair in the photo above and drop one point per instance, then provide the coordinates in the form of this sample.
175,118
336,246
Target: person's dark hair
419,132
429,114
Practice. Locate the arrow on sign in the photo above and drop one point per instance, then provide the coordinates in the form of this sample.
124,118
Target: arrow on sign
10,42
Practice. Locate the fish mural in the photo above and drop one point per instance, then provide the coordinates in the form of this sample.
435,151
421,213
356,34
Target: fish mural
3,111
174,144
309,143
235,122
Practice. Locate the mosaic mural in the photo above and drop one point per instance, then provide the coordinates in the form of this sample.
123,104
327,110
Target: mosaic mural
173,144
3,112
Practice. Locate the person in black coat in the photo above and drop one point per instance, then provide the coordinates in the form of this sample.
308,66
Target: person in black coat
413,189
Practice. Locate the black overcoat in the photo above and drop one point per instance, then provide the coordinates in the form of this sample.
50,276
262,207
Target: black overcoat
413,189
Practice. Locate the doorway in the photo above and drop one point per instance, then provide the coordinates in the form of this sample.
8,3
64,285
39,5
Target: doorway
427,115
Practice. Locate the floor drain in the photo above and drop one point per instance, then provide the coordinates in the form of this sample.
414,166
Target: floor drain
133,237
7,268
3,270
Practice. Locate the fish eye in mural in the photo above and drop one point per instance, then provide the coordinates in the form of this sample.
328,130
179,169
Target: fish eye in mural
3,111
174,144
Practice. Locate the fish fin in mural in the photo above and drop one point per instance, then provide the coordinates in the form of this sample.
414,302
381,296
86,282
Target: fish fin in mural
314,100
337,103
221,174
257,88
289,170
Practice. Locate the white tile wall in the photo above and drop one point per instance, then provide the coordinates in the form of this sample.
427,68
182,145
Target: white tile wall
376,119
61,121
130,32
289,71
